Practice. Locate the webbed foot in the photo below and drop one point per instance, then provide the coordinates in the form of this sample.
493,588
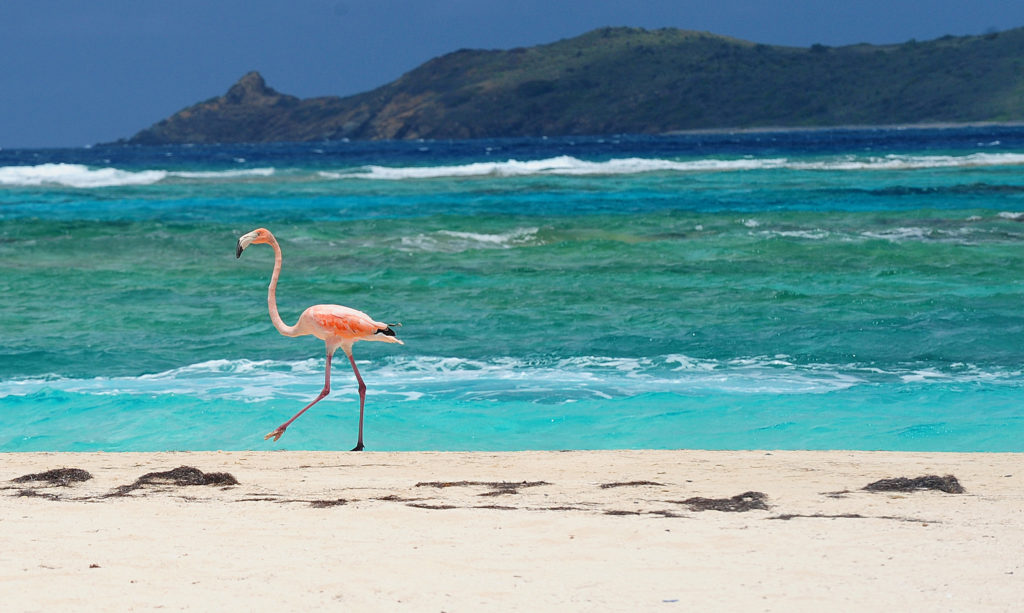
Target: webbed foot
276,434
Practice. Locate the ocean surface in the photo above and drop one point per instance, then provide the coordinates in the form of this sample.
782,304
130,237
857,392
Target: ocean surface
832,289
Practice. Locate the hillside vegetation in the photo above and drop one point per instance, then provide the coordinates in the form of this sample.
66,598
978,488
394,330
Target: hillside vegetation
626,80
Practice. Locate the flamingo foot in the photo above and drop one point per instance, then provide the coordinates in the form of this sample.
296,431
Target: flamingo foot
276,433
358,447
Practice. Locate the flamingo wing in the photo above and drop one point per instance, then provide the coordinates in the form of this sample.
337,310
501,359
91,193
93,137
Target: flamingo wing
342,323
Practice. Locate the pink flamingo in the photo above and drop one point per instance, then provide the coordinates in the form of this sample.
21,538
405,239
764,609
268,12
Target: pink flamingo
337,326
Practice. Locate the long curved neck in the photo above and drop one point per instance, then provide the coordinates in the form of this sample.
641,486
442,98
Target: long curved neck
272,294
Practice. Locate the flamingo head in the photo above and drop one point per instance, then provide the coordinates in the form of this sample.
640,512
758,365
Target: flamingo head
259,235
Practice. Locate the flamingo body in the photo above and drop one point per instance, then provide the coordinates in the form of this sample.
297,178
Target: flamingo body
338,326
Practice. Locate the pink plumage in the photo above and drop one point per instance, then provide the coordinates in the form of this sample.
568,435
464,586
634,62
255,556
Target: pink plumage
336,325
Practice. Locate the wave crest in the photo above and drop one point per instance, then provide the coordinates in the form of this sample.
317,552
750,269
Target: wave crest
85,177
82,176
448,241
512,378
571,166
76,175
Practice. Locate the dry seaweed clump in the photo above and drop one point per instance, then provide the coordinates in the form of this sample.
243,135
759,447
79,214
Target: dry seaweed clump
741,503
948,484
181,476
62,477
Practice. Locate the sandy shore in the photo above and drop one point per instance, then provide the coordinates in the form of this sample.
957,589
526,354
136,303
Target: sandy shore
581,531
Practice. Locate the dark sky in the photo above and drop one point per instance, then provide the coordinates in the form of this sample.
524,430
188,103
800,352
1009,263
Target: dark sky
78,72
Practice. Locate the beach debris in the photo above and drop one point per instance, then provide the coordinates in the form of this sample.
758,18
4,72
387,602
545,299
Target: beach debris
948,484
323,504
498,488
789,516
397,498
606,486
35,494
740,503
62,477
661,512
433,507
913,520
180,476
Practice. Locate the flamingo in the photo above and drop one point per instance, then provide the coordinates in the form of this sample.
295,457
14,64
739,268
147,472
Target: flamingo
338,326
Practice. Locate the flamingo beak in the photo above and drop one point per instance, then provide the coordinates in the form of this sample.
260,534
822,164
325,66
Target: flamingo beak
243,241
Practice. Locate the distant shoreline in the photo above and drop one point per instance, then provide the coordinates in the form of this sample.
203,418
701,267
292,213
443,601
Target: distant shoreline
851,127
710,131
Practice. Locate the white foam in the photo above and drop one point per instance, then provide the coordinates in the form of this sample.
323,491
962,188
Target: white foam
85,177
899,234
406,379
911,162
81,176
571,166
814,235
448,241
76,175
561,165
224,174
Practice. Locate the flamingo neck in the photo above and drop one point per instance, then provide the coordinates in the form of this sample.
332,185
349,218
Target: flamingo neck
275,317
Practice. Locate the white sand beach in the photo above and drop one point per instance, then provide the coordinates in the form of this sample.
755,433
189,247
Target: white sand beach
522,531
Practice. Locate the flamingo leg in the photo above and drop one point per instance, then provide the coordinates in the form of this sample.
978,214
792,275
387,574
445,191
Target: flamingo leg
327,390
362,399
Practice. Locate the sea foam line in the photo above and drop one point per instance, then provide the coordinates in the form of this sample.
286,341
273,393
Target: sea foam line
82,176
449,241
571,166
508,378
85,177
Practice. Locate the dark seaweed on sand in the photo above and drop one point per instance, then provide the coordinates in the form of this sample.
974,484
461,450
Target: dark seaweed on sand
35,494
498,488
324,504
62,477
180,476
741,503
948,484
606,486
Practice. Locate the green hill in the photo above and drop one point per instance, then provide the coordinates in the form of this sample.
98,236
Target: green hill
626,80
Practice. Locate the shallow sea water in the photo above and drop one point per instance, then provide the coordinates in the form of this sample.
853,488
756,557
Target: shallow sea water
855,289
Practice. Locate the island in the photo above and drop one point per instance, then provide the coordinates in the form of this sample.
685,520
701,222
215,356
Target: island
631,80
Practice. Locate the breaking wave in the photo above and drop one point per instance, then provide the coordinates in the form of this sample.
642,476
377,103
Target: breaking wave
448,241
81,176
571,166
504,379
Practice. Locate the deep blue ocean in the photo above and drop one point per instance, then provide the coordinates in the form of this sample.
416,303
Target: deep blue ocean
827,289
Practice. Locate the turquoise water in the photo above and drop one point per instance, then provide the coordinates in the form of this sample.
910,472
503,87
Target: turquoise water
856,289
